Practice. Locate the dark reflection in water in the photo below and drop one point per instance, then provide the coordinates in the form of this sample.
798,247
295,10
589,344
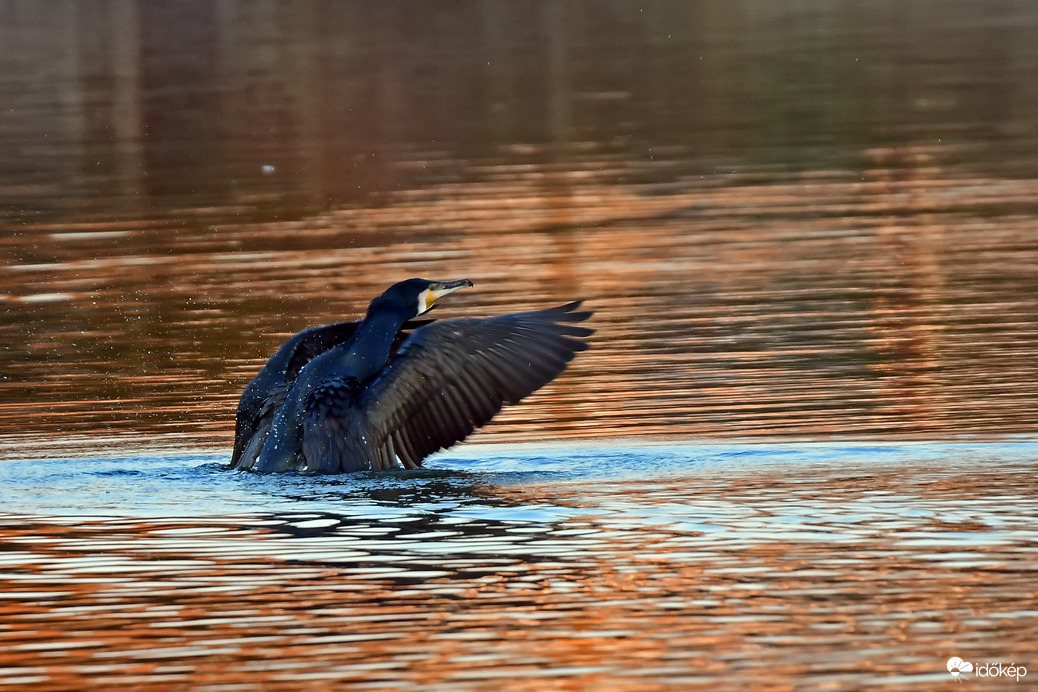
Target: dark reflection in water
126,108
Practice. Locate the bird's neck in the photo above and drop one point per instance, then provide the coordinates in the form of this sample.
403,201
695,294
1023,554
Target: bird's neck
373,341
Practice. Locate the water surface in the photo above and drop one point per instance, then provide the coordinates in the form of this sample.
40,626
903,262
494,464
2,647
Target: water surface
815,220
808,233
613,567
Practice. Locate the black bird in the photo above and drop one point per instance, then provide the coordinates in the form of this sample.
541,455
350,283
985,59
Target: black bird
390,390
265,393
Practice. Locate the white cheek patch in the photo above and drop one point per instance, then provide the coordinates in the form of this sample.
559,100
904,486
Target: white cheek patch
423,301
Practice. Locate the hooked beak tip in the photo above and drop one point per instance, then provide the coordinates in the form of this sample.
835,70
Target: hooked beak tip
445,287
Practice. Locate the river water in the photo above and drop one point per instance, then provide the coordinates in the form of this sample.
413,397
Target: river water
799,455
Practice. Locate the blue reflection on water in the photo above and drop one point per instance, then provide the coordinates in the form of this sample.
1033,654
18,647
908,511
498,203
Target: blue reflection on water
473,481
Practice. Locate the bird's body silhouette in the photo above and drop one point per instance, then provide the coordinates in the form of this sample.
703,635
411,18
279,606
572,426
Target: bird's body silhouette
388,390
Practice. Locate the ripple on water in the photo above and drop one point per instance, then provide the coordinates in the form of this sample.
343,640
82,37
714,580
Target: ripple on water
818,562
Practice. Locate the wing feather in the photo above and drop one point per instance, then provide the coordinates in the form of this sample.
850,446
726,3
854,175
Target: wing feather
264,395
316,341
453,376
261,427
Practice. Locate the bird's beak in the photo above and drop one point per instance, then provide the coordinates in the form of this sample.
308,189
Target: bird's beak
439,289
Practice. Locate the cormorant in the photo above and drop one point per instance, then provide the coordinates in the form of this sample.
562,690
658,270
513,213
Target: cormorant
390,390
265,393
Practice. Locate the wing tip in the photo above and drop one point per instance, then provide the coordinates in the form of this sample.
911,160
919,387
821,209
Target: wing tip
569,312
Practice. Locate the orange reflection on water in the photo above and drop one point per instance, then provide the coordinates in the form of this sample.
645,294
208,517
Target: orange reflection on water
733,306
745,580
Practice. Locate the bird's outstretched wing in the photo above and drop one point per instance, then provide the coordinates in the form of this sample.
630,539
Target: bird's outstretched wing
453,376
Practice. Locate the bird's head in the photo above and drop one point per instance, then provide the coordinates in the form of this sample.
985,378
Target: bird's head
412,297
